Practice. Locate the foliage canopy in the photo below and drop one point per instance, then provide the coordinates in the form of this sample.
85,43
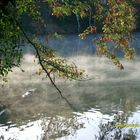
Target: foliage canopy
117,18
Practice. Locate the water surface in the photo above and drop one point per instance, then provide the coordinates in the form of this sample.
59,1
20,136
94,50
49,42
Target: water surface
32,109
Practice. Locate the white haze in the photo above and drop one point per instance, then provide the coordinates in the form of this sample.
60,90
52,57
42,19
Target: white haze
107,87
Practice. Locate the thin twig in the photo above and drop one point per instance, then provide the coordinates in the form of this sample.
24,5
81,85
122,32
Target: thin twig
40,61
45,70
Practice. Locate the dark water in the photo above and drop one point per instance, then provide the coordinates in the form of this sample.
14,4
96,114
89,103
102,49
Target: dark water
34,110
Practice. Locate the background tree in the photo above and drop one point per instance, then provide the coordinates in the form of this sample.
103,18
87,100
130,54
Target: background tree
117,19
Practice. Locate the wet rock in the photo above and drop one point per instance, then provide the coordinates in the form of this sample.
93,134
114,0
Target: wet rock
2,106
2,112
28,92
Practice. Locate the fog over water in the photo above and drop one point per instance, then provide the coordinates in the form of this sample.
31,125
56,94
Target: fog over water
35,110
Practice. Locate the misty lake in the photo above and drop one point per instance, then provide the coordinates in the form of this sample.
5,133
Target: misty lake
32,109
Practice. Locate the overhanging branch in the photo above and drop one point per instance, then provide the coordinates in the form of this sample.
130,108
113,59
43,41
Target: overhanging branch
45,70
40,61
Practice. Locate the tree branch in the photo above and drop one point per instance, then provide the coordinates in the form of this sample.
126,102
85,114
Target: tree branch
40,61
45,70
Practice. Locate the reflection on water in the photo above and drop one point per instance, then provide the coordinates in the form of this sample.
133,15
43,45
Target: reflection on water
30,108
